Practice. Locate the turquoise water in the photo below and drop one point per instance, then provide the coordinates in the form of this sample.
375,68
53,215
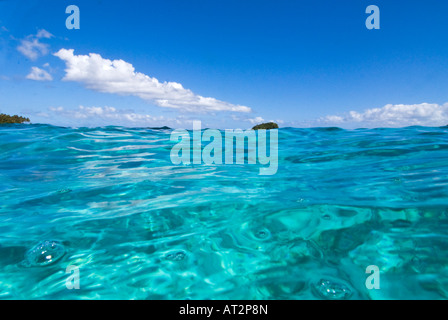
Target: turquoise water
109,201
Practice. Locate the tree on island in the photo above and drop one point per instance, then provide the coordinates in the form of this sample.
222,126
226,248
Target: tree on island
266,126
4,118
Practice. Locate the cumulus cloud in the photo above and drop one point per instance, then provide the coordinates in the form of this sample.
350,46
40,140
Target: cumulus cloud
39,75
32,48
119,77
394,115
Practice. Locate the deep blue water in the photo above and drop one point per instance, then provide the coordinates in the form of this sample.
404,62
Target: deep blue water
109,201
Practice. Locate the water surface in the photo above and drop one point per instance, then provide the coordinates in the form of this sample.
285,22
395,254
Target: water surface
109,201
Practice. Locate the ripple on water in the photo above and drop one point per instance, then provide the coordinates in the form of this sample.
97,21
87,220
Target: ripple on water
177,255
64,190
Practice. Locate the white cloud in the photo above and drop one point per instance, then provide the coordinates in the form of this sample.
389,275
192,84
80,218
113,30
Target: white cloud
256,120
43,34
32,48
39,75
399,115
119,77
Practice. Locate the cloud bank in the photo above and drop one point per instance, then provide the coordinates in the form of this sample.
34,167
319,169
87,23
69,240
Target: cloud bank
105,113
394,115
98,116
105,116
119,77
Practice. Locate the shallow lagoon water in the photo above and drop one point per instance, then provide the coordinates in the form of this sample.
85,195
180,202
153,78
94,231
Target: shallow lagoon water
109,201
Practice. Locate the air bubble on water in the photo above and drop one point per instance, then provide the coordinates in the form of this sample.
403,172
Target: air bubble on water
262,234
177,255
332,290
45,253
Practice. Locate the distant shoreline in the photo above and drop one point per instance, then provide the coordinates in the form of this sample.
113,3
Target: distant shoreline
169,128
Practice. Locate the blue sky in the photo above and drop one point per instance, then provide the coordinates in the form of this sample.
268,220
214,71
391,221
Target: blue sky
231,63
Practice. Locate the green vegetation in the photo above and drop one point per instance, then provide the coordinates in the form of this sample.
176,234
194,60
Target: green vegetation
4,118
267,126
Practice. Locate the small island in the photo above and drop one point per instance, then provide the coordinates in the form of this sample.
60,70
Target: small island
266,126
4,118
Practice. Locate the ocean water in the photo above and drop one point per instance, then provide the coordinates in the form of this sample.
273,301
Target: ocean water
110,202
